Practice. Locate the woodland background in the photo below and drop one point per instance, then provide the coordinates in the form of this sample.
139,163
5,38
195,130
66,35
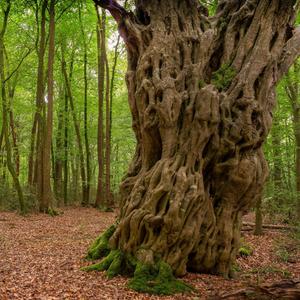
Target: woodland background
64,117
81,111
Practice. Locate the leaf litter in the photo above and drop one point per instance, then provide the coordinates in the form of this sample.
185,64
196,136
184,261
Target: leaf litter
41,257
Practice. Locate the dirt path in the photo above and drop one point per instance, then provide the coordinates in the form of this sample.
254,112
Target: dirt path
41,256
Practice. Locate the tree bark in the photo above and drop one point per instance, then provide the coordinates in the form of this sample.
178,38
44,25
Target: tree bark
66,145
258,218
86,139
292,90
59,150
77,131
44,187
5,110
277,163
38,119
100,198
201,93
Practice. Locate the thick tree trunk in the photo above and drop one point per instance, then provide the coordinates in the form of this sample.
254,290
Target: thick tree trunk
201,93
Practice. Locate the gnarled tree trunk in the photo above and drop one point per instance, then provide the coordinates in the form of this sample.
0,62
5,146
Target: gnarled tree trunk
201,93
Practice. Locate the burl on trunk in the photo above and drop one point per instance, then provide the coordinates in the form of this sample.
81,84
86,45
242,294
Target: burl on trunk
201,92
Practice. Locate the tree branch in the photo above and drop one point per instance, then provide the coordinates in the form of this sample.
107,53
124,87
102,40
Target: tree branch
291,53
116,10
18,66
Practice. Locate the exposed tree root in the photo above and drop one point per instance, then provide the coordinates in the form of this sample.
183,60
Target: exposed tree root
147,278
100,247
158,279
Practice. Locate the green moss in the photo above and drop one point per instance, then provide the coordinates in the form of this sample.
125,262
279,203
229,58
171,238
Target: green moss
152,279
158,279
100,247
106,263
245,251
52,212
115,267
223,77
201,84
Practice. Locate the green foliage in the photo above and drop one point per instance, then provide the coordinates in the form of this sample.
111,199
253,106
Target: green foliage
235,268
52,212
100,247
271,270
283,254
223,77
158,279
245,249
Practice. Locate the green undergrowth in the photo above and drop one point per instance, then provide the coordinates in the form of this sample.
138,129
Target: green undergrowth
245,249
272,269
153,279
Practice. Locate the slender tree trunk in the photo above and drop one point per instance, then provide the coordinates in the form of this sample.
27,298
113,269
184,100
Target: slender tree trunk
59,150
100,199
77,131
66,145
44,189
277,161
38,119
86,139
292,90
11,87
297,136
108,194
5,110
258,218
201,93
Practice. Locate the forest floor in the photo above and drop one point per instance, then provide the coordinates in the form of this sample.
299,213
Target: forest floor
41,256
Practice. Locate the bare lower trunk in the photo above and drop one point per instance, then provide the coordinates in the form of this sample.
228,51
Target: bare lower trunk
100,199
201,93
45,192
35,142
292,90
84,200
5,110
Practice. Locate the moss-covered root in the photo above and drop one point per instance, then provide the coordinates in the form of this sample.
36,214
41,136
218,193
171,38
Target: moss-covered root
157,279
112,264
100,247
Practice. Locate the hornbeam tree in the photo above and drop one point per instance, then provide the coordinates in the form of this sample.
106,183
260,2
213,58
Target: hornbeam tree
201,92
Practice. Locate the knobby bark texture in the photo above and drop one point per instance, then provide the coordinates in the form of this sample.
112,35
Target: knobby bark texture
201,93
